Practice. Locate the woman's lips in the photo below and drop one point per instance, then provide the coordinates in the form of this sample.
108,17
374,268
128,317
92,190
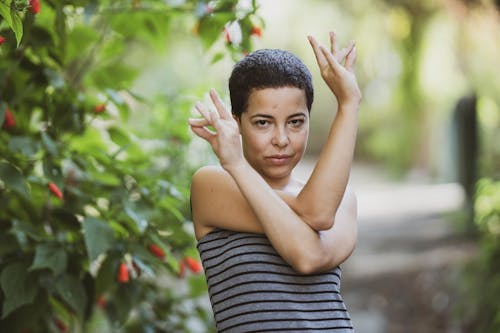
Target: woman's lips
279,159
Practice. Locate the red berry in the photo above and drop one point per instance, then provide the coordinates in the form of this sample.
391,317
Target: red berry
100,108
193,265
55,190
256,31
122,276
9,121
156,251
35,6
2,40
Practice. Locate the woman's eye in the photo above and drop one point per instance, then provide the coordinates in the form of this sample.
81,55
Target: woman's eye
261,122
296,122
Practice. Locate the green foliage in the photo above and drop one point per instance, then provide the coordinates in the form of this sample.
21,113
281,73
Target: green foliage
84,188
482,276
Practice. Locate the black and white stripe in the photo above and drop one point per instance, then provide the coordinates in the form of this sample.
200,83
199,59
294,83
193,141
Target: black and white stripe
252,289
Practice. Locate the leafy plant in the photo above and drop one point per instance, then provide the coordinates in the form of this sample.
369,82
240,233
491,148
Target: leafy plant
93,209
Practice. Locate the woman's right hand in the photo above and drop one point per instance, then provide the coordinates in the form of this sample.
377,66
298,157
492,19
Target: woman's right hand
225,141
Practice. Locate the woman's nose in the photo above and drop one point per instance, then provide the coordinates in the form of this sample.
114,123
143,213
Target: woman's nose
280,137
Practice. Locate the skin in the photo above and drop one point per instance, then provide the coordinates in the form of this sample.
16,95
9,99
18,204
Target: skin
274,132
253,190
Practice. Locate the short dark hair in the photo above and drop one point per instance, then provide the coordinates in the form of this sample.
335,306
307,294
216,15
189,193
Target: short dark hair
268,68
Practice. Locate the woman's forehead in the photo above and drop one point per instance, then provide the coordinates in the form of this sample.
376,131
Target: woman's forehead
277,100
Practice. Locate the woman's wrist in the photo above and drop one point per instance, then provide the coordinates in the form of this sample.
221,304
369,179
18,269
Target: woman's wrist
349,106
237,167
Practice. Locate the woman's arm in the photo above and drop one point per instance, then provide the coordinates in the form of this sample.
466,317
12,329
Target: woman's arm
320,198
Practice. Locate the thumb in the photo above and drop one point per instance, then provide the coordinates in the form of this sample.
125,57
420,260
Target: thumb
203,133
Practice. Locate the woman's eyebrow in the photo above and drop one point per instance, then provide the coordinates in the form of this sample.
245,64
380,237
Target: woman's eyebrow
298,114
261,115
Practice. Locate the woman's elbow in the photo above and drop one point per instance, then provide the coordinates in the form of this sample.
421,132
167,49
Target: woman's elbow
308,264
321,223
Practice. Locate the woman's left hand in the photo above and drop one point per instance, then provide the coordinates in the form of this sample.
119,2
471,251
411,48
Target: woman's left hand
225,141
341,79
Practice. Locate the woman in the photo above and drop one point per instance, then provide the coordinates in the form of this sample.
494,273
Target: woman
270,244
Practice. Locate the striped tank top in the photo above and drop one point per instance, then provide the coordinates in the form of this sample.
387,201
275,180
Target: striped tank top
252,289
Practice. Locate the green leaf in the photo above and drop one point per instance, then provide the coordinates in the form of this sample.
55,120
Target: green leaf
67,217
3,109
49,144
217,57
72,292
8,244
124,301
5,10
60,27
98,237
105,281
17,25
50,256
13,179
23,145
22,228
140,218
145,269
197,285
19,289
79,40
118,136
9,13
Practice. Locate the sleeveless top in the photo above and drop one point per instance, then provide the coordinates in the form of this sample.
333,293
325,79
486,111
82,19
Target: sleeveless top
252,289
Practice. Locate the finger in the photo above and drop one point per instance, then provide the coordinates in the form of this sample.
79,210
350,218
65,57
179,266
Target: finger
332,62
201,109
340,55
215,121
198,122
350,61
203,133
320,58
333,46
219,106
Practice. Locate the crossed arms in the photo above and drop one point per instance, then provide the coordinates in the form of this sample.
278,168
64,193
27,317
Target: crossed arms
314,230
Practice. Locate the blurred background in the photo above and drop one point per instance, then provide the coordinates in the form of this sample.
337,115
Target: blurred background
96,157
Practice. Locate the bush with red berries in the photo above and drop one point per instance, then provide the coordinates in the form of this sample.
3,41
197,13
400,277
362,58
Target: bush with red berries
94,222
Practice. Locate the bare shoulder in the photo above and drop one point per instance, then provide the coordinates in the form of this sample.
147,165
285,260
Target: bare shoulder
209,170
217,202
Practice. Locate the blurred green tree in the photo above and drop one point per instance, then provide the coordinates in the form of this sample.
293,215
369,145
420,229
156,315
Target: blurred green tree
93,209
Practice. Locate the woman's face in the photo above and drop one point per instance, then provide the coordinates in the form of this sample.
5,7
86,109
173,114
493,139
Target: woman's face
274,131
